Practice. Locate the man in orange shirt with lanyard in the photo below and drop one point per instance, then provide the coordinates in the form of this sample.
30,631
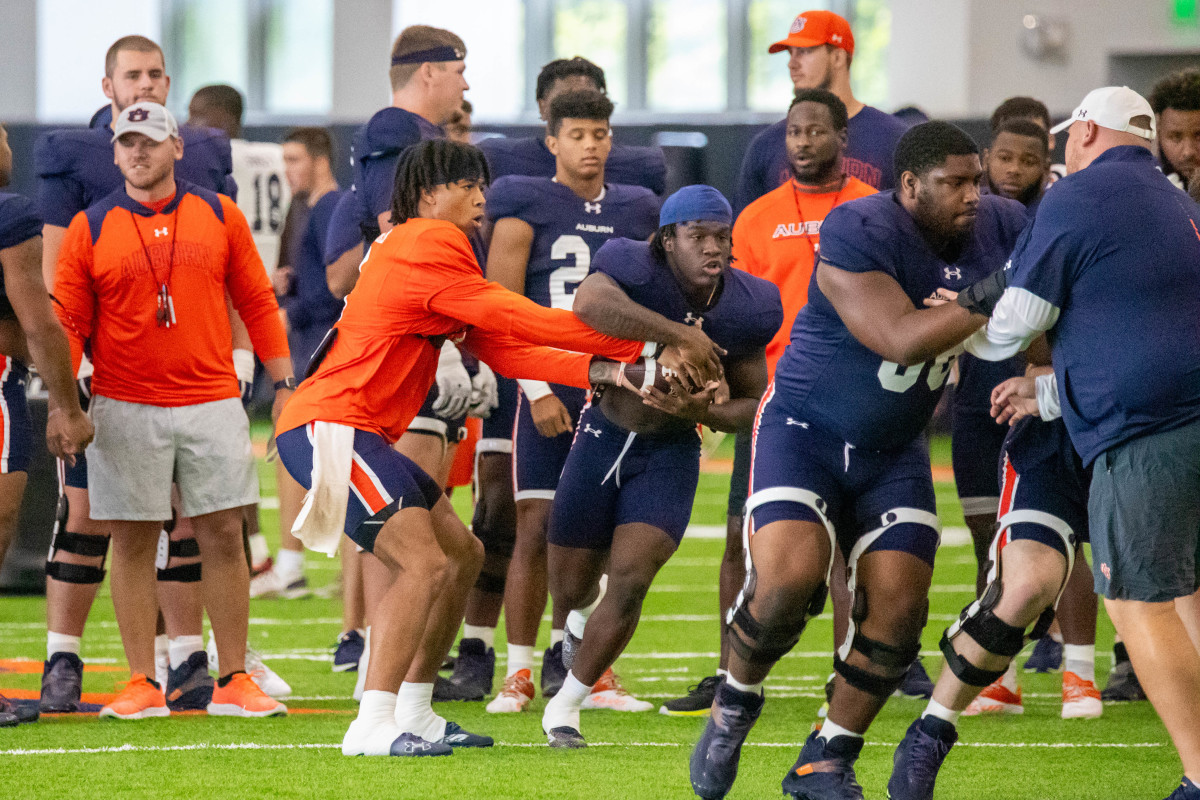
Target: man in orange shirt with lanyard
777,237
142,276
420,286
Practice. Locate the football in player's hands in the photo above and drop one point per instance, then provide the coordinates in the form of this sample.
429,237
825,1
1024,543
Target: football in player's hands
644,373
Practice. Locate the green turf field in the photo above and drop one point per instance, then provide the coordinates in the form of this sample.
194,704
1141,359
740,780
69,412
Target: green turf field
1039,756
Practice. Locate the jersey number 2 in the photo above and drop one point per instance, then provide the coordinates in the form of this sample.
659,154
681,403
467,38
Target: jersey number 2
564,280
896,378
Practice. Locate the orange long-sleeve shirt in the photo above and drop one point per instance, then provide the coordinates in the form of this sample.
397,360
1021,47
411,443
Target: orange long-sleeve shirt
778,236
108,293
420,284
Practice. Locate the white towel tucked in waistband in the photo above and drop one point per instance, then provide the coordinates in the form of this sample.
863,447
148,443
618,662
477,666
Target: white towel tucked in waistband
322,518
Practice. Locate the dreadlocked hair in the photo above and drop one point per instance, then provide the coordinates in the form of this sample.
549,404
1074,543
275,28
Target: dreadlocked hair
429,164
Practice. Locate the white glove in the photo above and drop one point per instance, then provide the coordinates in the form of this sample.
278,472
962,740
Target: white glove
453,383
485,393
243,367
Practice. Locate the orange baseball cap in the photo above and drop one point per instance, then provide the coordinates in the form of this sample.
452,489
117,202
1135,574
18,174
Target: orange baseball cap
812,28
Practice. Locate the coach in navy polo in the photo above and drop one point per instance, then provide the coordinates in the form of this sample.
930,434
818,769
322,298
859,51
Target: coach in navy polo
1110,268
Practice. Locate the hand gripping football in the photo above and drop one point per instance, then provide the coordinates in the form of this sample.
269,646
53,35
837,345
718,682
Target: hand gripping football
641,375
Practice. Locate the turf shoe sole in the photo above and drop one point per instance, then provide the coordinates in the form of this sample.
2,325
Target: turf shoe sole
714,762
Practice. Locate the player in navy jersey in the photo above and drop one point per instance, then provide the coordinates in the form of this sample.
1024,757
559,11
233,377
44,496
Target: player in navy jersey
821,46
627,488
636,166
545,233
75,169
839,459
28,329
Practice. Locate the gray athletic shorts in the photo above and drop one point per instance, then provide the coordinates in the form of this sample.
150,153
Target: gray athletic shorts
140,450
1144,516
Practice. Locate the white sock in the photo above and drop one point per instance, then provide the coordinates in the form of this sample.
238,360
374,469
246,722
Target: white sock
162,660
414,712
556,636
722,673
374,730
936,709
289,563
161,645
259,552
61,643
578,617
364,660
748,688
179,648
1056,636
1009,679
520,656
831,729
1080,659
562,710
488,635
377,707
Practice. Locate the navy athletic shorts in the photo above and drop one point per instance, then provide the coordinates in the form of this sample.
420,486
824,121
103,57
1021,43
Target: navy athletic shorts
616,477
975,442
428,422
739,478
538,460
16,432
498,426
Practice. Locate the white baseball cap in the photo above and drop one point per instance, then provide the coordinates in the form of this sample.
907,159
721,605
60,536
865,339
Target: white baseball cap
149,119
1112,107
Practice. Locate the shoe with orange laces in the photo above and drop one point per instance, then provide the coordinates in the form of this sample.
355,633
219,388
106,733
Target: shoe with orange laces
515,695
996,699
609,693
241,697
1081,699
140,699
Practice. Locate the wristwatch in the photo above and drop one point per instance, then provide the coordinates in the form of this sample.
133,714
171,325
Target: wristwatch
287,383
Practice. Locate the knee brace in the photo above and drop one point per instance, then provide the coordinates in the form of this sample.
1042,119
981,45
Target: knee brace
891,660
756,642
80,544
168,550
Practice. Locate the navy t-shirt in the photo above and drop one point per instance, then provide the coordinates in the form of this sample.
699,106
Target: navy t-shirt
746,316
836,382
312,306
633,166
18,223
75,168
872,133
1115,248
567,230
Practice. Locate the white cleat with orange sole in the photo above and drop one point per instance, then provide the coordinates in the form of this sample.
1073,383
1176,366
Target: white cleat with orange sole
515,695
608,693
996,699
1081,698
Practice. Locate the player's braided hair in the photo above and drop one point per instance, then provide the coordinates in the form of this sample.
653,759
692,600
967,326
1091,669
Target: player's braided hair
1179,90
927,146
429,164
582,104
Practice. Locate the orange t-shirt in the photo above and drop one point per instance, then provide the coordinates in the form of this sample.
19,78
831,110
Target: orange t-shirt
778,237
108,293
419,285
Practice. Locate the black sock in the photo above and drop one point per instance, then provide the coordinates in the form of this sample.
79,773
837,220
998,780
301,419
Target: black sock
1120,654
224,680
154,683
937,727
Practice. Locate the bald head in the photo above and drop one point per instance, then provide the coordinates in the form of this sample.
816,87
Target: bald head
1086,140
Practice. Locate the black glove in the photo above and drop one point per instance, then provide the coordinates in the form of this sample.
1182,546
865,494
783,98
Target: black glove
982,296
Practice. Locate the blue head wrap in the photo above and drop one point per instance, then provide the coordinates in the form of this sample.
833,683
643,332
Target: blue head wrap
694,204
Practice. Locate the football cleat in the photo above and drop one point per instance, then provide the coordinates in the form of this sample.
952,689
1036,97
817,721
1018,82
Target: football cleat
515,695
139,699
916,684
266,584
714,763
362,739
1123,684
409,744
825,770
566,738
1047,656
13,713
918,758
62,682
266,678
474,670
190,687
242,697
1186,790
295,588
553,671
696,703
570,646
995,699
1081,699
609,693
349,651
456,736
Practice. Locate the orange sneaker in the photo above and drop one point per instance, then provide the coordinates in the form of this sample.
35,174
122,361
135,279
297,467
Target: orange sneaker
609,693
241,697
515,696
1081,699
140,699
996,699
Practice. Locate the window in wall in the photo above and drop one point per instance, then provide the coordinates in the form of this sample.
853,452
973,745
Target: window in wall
494,33
770,87
598,31
686,58
872,23
211,44
299,57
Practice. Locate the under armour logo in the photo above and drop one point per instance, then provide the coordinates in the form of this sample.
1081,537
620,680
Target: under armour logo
835,37
693,319
417,746
952,273
791,421
591,208
589,429
160,232
139,115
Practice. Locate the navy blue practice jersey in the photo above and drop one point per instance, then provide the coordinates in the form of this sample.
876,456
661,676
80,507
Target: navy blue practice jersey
568,230
830,377
627,164
75,168
746,316
18,223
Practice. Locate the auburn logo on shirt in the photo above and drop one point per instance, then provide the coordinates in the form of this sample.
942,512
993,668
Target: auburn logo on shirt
787,229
